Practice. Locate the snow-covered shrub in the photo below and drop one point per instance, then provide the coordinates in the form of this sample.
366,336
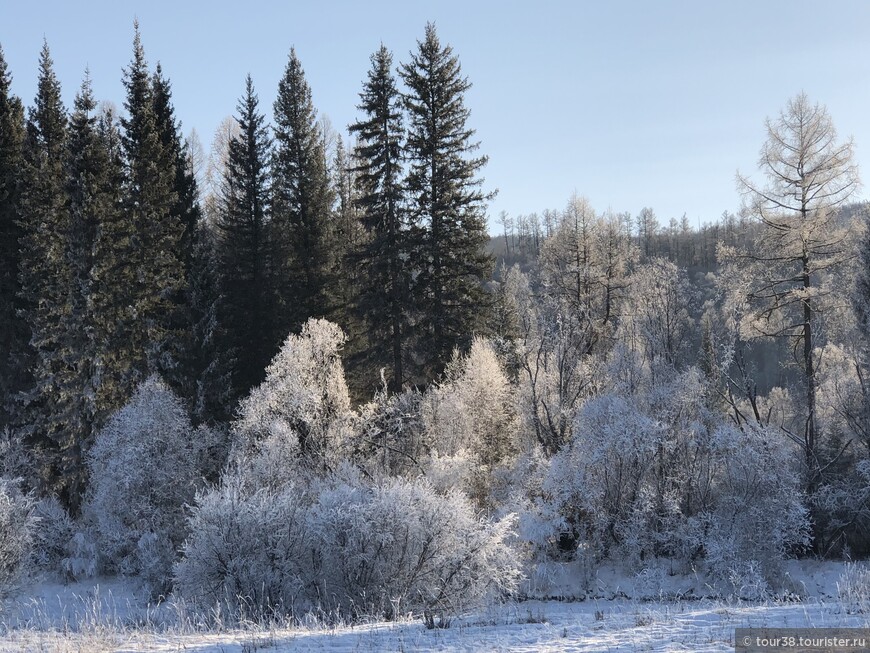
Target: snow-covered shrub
742,579
155,555
144,469
538,518
82,559
304,399
755,480
398,547
472,414
17,524
445,471
247,551
654,474
212,450
52,534
602,481
343,546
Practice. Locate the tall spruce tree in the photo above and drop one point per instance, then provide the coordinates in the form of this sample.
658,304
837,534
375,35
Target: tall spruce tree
92,192
187,213
150,201
186,208
384,296
302,205
114,275
445,197
44,271
244,247
13,328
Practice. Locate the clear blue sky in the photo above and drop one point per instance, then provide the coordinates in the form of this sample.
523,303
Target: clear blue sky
632,104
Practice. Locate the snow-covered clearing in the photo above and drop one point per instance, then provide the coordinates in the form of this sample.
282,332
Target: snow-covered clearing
615,625
108,617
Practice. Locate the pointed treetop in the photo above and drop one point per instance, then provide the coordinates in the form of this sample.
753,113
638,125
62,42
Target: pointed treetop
431,37
382,60
247,104
430,47
48,87
139,65
47,117
294,94
84,101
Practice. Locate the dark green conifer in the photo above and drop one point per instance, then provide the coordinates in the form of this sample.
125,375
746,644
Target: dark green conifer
211,357
92,192
186,212
302,202
44,271
113,277
446,198
150,200
14,336
384,298
244,248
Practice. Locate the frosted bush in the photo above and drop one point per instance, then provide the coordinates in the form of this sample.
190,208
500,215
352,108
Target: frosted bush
344,547
247,550
653,474
16,459
270,461
52,533
155,555
399,547
472,414
144,467
598,482
446,472
650,583
755,479
82,559
17,524
304,400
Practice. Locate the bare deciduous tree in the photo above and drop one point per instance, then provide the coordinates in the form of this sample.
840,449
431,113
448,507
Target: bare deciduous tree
783,283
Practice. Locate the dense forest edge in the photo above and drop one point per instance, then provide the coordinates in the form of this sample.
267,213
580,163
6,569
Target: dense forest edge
297,375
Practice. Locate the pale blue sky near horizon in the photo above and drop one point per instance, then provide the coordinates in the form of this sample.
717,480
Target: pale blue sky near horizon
631,104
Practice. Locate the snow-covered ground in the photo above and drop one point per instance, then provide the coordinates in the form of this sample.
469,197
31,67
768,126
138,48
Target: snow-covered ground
109,617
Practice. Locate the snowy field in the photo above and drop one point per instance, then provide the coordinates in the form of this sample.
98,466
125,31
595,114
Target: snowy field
108,617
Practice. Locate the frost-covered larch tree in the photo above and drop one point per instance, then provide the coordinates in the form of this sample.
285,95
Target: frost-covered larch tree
781,287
